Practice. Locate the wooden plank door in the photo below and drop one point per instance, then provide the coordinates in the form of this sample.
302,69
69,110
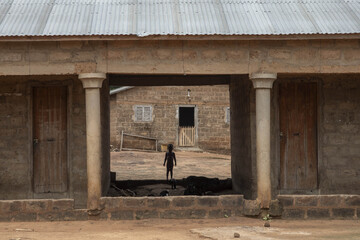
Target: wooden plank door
186,136
50,139
298,136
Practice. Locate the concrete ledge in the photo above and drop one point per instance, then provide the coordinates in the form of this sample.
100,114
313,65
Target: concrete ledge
320,206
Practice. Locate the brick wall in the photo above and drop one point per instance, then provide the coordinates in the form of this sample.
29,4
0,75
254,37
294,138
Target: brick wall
320,207
14,148
187,207
340,142
211,102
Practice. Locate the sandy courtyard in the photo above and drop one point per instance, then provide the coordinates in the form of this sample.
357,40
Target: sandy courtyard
149,165
165,229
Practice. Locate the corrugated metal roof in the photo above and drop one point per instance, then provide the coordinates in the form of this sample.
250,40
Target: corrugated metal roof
178,17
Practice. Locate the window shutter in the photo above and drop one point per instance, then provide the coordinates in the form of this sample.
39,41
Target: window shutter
147,114
139,113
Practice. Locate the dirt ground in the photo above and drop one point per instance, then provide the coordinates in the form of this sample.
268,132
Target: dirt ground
159,229
133,165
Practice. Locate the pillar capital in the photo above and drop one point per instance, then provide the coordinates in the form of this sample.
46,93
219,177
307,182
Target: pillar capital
92,80
263,80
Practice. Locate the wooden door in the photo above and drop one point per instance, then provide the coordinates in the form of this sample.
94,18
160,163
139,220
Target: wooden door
50,139
186,136
298,136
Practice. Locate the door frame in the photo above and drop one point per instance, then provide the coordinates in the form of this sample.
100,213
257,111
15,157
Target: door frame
276,132
195,121
55,83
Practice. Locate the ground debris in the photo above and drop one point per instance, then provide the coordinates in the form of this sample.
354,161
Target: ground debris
23,230
236,235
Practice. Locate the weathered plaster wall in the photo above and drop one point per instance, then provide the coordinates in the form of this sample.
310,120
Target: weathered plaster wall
16,140
211,103
179,57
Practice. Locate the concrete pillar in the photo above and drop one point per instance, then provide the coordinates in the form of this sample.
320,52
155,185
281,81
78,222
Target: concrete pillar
92,83
263,83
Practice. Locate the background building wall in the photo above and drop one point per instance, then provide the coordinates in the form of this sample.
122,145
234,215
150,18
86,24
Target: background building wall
211,103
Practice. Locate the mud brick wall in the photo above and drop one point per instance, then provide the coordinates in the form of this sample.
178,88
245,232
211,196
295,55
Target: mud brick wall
340,165
16,139
187,207
320,206
213,133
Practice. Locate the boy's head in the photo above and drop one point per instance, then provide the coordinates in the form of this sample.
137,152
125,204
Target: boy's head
170,147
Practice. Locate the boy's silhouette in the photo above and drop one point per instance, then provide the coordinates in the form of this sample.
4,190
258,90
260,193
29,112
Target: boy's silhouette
170,158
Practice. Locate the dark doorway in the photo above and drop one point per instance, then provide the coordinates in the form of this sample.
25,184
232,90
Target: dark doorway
298,136
186,116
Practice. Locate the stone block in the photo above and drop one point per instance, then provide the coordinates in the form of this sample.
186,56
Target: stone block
318,213
146,214
158,202
60,56
331,200
275,208
251,208
5,217
183,202
111,203
38,57
208,201
163,54
9,206
24,217
343,213
71,44
37,205
220,213
286,201
279,53
122,215
330,54
235,201
352,201
291,213
62,205
307,201
183,214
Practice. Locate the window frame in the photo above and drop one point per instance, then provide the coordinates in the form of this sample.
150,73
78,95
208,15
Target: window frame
136,107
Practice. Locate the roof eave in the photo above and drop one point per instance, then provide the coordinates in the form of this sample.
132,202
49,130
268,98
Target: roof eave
180,37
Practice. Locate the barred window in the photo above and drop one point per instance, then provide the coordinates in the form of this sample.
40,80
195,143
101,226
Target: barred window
143,113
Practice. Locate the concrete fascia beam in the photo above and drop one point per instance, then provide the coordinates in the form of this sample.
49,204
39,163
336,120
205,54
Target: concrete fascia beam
263,80
92,80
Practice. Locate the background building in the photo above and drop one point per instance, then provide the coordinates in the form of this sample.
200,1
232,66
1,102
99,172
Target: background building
186,116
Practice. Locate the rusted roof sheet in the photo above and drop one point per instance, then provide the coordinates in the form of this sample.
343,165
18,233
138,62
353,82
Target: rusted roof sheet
178,17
